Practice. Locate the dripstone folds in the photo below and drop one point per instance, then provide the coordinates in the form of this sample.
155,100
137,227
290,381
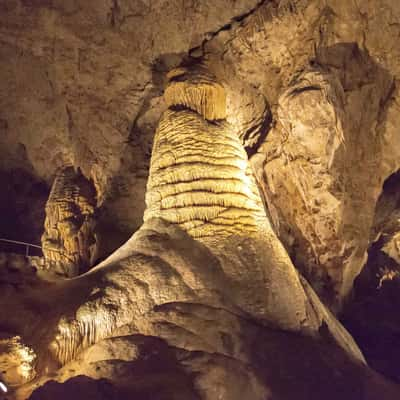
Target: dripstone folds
69,240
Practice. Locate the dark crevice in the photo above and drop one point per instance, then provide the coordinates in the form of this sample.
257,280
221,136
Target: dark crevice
372,315
228,26
22,207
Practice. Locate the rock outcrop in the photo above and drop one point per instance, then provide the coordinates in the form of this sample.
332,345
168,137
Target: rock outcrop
213,300
226,275
195,88
321,183
69,241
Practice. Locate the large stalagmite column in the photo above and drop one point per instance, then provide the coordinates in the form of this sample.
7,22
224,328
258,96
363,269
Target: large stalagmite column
201,180
69,240
199,175
205,274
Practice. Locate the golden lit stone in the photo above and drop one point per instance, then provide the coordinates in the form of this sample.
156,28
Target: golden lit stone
69,241
196,88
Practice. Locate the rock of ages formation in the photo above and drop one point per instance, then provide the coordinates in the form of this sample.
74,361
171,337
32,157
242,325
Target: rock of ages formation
203,301
195,88
69,241
201,181
203,294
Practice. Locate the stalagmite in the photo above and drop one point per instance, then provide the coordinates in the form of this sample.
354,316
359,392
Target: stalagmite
69,241
169,271
200,179
195,88
205,275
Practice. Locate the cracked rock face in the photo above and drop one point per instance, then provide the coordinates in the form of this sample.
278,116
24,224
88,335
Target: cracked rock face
324,168
174,279
331,88
88,73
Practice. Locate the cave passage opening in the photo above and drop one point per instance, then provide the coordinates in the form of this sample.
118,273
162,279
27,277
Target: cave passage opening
22,206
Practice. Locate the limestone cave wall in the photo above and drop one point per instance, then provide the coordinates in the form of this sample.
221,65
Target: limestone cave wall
252,149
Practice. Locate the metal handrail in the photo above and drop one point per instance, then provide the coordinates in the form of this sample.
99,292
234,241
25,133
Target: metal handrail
18,242
22,243
27,245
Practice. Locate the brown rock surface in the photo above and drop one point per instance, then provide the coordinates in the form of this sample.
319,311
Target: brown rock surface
330,82
69,242
173,280
203,301
79,73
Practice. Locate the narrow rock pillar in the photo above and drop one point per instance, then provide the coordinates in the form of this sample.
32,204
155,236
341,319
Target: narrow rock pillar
69,241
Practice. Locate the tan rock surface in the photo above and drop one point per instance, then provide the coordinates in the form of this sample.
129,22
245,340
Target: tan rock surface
330,82
195,292
195,88
322,181
311,94
69,242
174,289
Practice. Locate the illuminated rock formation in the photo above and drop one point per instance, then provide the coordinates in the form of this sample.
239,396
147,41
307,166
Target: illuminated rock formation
223,299
314,169
69,241
195,88
203,301
17,360
200,179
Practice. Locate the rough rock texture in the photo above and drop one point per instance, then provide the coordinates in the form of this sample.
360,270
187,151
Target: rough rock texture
145,367
321,181
99,100
80,76
205,333
198,178
195,88
17,360
69,242
219,306
82,87
329,80
312,95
